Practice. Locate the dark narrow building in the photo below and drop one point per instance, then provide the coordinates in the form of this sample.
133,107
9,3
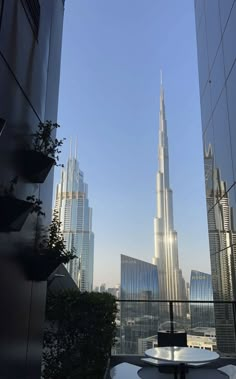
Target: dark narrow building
30,53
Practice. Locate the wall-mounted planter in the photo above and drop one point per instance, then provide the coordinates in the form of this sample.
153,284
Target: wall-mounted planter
13,213
35,166
38,267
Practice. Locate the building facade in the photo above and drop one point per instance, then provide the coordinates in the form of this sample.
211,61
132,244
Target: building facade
139,281
215,29
202,315
30,55
171,282
75,215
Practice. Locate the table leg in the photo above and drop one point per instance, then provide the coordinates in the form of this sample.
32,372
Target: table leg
182,369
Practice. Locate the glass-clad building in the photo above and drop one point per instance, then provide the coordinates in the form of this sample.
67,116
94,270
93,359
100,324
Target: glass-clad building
76,218
202,314
139,281
216,31
171,281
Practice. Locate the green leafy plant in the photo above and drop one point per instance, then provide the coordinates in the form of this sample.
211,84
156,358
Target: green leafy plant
44,143
54,242
79,335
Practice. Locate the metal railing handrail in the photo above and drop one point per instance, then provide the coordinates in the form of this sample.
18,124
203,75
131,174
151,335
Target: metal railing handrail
177,301
171,308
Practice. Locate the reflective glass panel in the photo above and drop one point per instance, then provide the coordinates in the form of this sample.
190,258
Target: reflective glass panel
231,97
206,109
217,77
213,29
225,7
208,146
223,157
202,55
229,45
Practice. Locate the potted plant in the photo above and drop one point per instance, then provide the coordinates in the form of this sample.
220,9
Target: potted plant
49,253
38,161
13,211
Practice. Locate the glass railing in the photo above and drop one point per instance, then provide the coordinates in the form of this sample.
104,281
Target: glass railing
143,324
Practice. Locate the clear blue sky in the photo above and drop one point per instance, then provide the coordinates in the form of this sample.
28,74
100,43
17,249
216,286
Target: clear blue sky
112,54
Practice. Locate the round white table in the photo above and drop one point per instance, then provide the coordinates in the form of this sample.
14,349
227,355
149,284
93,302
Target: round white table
182,356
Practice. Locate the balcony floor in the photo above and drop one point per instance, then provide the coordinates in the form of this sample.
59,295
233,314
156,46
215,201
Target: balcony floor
209,371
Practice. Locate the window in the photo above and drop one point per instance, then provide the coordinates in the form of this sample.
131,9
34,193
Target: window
32,9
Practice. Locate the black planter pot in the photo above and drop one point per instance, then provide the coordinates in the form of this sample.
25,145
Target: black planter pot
13,213
35,166
38,267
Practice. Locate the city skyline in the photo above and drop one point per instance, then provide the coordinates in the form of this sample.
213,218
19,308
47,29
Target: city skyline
111,103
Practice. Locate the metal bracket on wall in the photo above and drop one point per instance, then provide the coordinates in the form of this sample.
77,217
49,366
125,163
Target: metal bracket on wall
2,125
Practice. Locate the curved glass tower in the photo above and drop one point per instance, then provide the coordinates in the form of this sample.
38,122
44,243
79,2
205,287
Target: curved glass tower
139,281
202,315
76,218
165,237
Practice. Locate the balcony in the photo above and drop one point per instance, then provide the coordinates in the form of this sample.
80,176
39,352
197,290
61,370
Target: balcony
85,324
209,325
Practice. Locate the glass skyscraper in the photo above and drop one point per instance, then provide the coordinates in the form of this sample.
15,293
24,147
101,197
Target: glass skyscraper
139,281
165,237
202,315
216,30
76,218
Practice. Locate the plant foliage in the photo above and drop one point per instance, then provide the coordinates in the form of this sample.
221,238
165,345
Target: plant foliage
79,335
54,243
44,142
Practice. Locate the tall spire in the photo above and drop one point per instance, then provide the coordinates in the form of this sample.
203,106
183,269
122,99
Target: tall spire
163,155
165,237
76,147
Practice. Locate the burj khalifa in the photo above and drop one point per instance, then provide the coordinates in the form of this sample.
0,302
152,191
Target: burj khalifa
171,283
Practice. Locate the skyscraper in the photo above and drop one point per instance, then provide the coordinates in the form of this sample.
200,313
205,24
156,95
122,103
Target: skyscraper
165,237
216,29
76,218
139,281
202,314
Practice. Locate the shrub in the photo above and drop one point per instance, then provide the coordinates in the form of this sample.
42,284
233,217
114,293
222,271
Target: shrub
81,330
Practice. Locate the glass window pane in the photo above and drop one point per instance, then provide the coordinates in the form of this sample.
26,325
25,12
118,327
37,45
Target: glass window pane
202,55
206,108
223,157
217,77
231,97
229,45
213,29
225,8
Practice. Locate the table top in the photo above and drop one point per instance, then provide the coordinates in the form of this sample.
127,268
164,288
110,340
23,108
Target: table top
182,354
